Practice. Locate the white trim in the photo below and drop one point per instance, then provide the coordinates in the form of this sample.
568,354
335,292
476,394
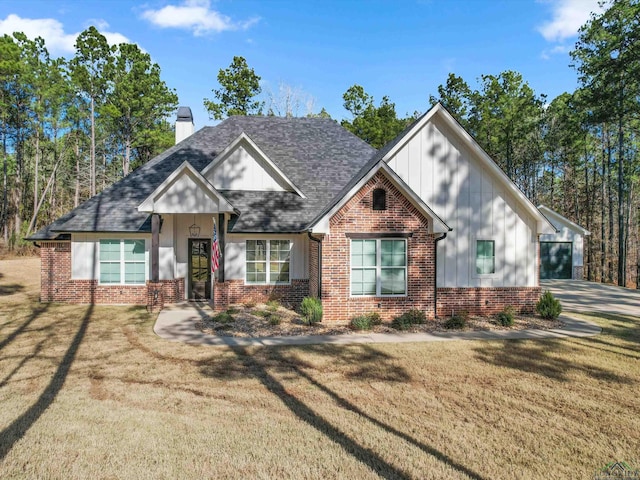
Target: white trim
565,221
378,268
148,204
243,138
474,273
122,262
267,261
543,224
437,224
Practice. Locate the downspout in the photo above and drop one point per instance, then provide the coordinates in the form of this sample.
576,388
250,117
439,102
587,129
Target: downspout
319,242
435,277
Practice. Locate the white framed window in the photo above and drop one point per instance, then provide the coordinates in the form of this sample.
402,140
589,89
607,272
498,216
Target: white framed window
485,257
268,262
122,262
378,267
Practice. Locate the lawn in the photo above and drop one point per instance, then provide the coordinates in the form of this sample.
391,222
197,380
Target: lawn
91,392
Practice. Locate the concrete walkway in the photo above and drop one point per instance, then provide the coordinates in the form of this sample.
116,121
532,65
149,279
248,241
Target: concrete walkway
177,323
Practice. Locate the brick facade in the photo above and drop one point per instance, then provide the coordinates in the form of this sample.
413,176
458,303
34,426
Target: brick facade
355,217
236,291
358,216
578,273
56,284
486,301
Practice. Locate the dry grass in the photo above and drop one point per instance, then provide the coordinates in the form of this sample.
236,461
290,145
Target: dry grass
92,393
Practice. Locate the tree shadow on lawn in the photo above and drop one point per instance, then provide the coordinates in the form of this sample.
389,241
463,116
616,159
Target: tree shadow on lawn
11,289
19,427
374,366
543,357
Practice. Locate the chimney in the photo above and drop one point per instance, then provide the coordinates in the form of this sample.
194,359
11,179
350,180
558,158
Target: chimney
184,124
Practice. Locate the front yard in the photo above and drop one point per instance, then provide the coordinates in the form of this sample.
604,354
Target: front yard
91,392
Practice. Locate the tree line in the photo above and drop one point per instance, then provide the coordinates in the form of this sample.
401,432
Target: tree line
71,128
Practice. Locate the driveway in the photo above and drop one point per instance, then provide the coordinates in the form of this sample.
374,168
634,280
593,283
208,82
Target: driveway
583,296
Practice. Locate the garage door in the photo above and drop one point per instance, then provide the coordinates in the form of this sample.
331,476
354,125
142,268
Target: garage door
555,260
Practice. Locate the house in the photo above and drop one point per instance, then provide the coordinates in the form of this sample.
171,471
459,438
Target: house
561,253
302,207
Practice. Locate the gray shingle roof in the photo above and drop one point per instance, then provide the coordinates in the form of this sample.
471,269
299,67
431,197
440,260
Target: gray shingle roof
317,155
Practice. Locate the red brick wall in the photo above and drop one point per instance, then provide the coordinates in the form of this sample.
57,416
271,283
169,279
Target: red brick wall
56,284
486,301
235,291
357,216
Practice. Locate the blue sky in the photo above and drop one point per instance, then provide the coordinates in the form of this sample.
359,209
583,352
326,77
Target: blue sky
318,49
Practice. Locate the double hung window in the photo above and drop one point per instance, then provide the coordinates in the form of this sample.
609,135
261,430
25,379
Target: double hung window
485,257
378,267
268,261
122,262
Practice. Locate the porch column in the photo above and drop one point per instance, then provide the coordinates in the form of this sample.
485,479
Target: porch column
155,247
222,231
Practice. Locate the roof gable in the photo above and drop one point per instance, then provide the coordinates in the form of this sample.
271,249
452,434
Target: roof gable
242,165
185,191
439,114
321,224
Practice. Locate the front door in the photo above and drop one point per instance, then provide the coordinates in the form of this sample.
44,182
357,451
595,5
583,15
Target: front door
199,269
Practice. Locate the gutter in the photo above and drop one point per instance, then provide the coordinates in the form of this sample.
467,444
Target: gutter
435,276
319,242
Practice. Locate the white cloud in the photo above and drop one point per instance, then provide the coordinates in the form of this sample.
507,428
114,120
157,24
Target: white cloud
56,40
48,28
195,15
567,18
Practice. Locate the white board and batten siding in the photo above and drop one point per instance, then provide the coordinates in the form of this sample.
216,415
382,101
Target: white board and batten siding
235,254
242,169
185,195
474,202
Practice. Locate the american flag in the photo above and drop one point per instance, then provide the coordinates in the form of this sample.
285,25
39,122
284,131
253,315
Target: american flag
215,249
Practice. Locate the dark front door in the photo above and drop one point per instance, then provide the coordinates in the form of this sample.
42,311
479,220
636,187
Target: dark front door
555,260
199,269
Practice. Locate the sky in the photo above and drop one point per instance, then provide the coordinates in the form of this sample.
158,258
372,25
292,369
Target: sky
402,49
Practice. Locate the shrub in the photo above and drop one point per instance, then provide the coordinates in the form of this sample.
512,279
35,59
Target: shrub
273,305
375,318
274,319
548,307
311,310
223,317
366,321
262,313
401,323
416,317
407,319
505,317
456,321
232,310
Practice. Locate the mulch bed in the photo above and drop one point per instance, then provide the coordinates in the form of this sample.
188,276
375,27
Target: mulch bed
261,320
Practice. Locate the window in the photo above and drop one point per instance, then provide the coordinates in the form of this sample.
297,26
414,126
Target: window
122,262
485,257
268,261
378,267
379,199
